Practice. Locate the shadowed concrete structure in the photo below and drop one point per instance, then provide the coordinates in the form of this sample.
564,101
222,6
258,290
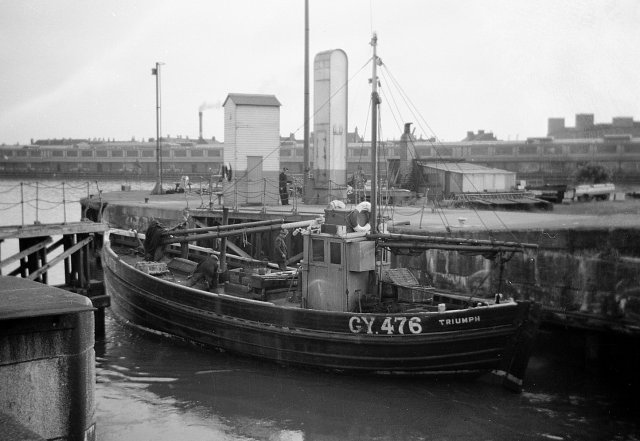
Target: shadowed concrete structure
47,360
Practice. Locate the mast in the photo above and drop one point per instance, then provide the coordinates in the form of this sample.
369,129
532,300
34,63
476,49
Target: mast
158,187
306,165
375,101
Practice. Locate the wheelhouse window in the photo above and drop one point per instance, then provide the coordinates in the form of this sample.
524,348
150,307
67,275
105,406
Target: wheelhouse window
317,250
335,253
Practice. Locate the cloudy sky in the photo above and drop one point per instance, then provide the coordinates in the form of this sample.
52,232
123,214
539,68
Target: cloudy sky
82,68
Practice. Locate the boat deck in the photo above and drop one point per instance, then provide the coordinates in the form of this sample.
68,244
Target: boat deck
277,287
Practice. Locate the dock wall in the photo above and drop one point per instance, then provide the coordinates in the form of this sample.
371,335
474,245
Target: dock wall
589,277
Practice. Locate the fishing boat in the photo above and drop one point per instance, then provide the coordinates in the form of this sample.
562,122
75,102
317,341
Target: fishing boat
343,308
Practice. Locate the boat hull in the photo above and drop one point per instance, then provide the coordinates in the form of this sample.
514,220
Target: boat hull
464,341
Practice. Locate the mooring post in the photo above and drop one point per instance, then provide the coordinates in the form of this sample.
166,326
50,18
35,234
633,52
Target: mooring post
264,195
37,194
235,194
67,242
22,201
64,205
223,247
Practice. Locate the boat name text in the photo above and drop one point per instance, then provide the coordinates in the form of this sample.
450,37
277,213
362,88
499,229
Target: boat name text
459,320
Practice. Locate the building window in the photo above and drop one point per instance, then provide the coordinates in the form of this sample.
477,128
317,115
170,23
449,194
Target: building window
528,150
72,154
553,167
179,153
116,154
632,149
197,153
501,150
132,153
579,149
148,153
552,150
101,153
213,153
35,153
57,153
479,151
285,152
528,167
607,149
86,153
444,151
358,152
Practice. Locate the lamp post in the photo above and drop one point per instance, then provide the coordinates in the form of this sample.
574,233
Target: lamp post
305,166
158,188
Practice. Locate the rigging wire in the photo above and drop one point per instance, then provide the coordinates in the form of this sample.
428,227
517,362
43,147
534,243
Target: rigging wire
437,210
421,120
436,144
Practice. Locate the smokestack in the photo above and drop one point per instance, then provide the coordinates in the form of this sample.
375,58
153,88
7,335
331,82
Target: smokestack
200,121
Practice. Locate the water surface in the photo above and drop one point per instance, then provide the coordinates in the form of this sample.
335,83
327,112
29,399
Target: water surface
155,388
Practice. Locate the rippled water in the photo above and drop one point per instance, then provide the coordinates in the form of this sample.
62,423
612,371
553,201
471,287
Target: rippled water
154,388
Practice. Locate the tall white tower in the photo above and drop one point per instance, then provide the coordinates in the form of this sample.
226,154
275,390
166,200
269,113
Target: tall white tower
330,102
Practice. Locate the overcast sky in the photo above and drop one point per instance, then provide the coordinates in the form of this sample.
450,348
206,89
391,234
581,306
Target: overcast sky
82,69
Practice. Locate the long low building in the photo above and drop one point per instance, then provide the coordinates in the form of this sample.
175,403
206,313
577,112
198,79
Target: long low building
539,161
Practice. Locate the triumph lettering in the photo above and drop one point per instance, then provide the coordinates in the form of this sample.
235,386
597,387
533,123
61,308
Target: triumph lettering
459,320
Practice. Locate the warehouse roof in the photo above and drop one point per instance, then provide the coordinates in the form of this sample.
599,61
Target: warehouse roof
462,167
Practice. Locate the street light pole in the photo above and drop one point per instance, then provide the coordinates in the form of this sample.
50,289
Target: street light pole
158,188
306,163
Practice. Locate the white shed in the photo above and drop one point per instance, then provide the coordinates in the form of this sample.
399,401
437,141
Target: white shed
466,177
252,144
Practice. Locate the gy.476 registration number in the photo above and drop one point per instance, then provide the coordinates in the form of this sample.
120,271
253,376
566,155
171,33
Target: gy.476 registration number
388,325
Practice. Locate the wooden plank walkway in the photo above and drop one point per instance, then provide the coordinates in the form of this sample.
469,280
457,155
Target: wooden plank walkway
39,230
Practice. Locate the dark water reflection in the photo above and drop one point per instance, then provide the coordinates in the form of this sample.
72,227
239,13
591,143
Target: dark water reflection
153,388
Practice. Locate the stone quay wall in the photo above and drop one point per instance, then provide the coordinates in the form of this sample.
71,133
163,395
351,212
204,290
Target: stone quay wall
589,272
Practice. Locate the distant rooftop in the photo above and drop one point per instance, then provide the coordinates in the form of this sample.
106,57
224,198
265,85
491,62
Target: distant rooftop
462,167
244,99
